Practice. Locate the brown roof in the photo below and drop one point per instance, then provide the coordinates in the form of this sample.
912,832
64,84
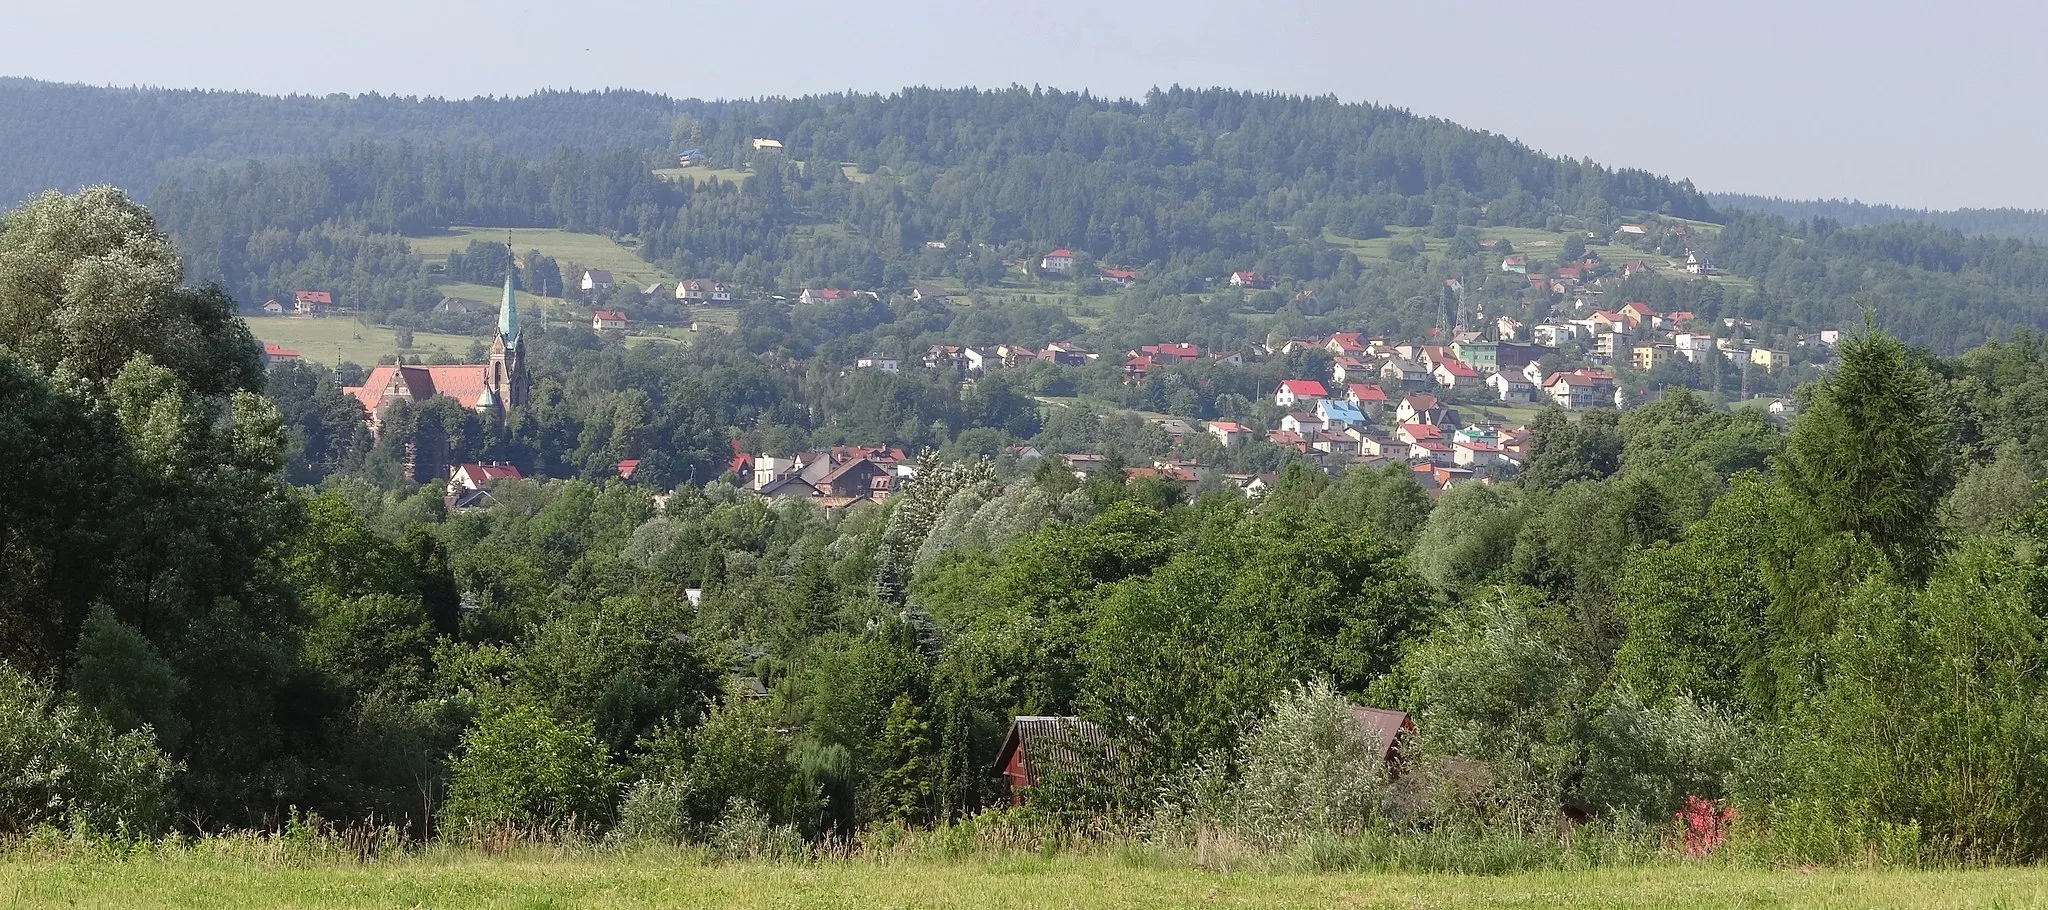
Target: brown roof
462,382
1384,727
1062,744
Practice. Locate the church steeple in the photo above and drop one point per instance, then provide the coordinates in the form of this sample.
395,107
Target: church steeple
508,313
505,381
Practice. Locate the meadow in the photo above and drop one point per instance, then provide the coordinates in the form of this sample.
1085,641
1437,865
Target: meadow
338,339
679,879
587,250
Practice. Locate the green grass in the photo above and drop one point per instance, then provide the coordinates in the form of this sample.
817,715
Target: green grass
666,879
587,250
701,174
336,339
1535,243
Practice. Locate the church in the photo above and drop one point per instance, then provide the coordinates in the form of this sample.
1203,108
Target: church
496,386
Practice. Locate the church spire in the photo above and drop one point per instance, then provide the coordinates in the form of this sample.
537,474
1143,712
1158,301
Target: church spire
508,312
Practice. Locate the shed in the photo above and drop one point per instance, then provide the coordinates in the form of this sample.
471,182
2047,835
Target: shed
1037,746
1385,728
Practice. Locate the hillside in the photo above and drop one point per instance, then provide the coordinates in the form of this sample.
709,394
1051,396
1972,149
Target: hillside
2022,224
1357,215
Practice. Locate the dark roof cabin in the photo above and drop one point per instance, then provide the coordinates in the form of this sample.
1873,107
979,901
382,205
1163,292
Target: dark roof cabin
1385,728
1039,746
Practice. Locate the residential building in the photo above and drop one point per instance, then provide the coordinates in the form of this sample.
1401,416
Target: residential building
1059,261
312,303
1301,423
274,353
1479,355
703,291
1229,432
1251,281
1451,374
1511,388
1410,375
608,321
880,362
1517,264
1769,359
824,295
596,280
1365,396
1299,393
1337,413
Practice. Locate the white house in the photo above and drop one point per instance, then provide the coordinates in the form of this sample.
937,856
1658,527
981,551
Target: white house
1512,389
878,362
1299,393
1228,432
703,290
607,321
597,280
1302,423
1059,260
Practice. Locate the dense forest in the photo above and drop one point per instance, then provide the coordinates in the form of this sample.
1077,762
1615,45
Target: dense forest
1834,628
2020,224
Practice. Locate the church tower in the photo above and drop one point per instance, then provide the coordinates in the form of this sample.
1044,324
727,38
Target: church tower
505,382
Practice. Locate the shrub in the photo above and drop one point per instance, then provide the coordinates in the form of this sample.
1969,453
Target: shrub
520,768
63,766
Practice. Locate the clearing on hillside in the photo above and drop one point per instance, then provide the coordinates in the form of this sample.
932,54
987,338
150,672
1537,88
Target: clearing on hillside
588,250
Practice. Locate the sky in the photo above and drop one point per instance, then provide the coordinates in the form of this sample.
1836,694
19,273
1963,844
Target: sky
1909,103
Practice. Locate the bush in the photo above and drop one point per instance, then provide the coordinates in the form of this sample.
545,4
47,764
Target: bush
63,766
746,832
1307,770
654,811
521,769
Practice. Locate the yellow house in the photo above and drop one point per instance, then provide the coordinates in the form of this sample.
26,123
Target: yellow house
1767,358
1646,357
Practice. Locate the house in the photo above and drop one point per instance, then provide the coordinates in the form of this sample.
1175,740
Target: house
1535,373
1350,344
824,295
1229,432
460,306
1483,356
881,362
1517,264
1552,334
789,485
1014,355
1175,428
1120,277
1648,357
767,145
274,353
703,290
1164,354
1347,369
858,479
1507,328
1410,375
477,475
273,308
1474,454
1768,359
1040,747
1057,261
1301,423
1641,315
1226,358
1299,392
628,467
1248,280
976,361
608,321
929,293
1697,263
1066,353
1337,413
651,290
312,303
1331,442
596,280
1365,396
1632,230
1412,407
1450,373
1083,465
1415,433
945,356
1579,389
1434,451
1511,388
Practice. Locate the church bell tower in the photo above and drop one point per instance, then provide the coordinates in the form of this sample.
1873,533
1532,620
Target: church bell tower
505,382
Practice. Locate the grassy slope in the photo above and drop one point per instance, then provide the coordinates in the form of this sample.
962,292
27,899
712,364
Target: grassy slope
332,340
650,880
589,250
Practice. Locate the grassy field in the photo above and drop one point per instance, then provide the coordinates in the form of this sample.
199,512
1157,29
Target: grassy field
589,250
701,174
673,880
337,339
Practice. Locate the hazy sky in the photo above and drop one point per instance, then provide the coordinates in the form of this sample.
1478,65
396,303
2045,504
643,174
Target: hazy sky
1916,104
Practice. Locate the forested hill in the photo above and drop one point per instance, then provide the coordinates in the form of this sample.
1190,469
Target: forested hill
61,136
2023,224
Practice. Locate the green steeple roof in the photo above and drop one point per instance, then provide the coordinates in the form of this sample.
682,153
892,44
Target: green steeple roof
508,314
